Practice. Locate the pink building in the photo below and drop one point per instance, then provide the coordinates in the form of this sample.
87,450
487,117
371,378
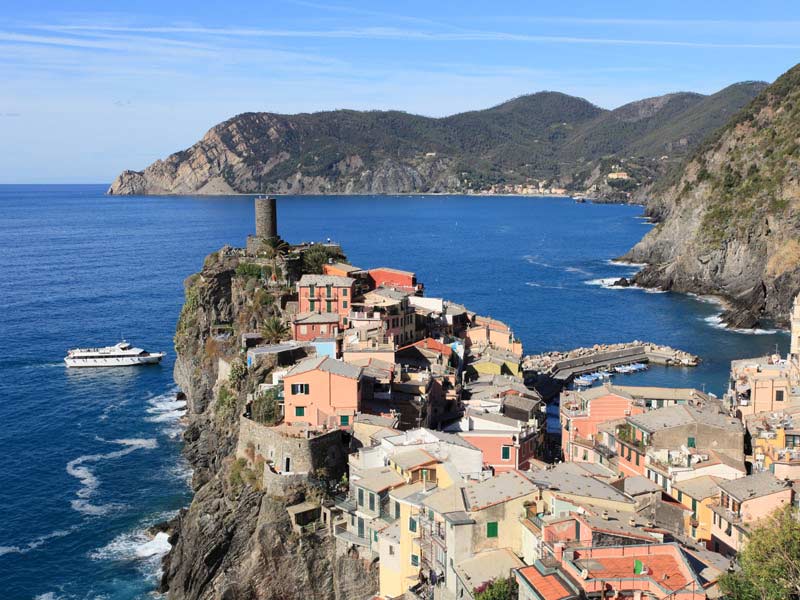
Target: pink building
742,502
322,391
507,444
310,325
326,294
582,413
486,331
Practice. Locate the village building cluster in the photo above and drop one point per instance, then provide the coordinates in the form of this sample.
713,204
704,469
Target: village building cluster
422,407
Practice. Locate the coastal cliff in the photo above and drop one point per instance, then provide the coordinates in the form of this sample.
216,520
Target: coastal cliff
235,540
729,224
541,141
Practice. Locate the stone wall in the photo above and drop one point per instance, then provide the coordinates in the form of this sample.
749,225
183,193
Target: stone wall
292,454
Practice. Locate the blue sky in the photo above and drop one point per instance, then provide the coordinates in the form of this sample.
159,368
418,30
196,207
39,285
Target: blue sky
90,88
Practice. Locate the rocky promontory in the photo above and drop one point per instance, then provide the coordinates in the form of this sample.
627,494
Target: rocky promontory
235,540
729,225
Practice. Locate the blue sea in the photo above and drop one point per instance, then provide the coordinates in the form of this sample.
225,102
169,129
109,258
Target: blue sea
92,457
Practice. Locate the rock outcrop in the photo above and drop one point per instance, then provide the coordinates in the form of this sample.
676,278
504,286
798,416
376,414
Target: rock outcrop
729,225
235,541
559,140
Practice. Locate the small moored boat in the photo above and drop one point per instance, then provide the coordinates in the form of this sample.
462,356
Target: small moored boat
119,355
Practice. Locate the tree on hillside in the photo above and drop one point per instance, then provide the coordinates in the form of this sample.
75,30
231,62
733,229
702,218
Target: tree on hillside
770,562
274,330
318,255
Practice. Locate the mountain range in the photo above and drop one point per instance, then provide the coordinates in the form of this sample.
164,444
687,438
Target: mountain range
547,139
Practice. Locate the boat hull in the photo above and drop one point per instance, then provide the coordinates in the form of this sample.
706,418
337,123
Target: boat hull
113,361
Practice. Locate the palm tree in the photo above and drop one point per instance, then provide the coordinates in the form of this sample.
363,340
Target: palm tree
274,330
273,249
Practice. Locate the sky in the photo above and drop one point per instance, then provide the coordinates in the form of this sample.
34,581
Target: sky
89,88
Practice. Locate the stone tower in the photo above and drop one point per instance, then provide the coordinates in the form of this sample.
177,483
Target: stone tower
795,325
266,218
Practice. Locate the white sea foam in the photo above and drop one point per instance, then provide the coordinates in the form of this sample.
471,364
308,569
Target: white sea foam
79,469
577,270
535,260
37,542
717,322
608,284
136,547
624,263
169,411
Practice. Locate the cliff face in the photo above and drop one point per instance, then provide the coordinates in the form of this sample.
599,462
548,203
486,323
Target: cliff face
235,542
730,224
548,136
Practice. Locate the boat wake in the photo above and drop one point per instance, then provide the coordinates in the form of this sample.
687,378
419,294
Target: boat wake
79,469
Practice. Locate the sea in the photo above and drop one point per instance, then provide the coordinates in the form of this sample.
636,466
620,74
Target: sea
93,457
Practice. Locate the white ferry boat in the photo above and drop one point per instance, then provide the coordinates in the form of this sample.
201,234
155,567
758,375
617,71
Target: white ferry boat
119,355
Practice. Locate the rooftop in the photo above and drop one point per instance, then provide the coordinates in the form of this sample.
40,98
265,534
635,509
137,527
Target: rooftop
547,582
323,280
379,479
753,486
679,415
327,364
571,479
639,484
664,564
277,348
315,317
699,488
486,566
408,459
446,500
496,490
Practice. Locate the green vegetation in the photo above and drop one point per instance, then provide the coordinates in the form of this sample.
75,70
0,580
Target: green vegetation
226,403
264,408
318,255
770,562
274,330
238,373
248,270
241,474
497,589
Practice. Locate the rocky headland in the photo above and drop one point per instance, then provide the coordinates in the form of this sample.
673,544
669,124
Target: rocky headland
235,540
729,223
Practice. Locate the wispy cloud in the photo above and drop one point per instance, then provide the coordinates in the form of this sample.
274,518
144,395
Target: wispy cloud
395,33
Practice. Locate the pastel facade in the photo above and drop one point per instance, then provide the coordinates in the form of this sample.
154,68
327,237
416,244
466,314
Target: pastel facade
395,278
322,391
311,325
486,331
743,502
582,412
326,294
507,444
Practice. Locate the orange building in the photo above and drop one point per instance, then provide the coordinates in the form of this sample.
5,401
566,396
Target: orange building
326,294
322,392
394,278
486,331
309,326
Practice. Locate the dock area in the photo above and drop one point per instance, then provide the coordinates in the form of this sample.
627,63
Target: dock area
565,366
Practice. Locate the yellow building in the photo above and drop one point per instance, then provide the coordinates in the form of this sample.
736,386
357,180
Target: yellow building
775,441
699,495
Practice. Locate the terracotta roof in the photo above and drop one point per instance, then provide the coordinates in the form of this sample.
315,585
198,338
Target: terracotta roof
665,566
549,586
430,344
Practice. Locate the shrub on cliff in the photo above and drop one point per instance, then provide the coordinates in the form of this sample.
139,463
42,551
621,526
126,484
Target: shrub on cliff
316,256
248,270
265,407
